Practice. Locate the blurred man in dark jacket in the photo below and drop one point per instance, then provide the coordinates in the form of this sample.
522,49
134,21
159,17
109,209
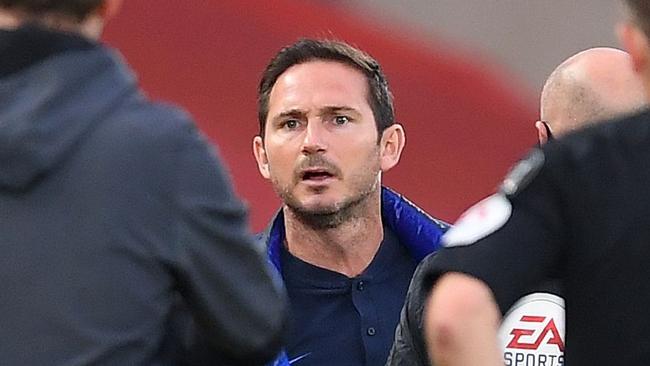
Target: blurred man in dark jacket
117,218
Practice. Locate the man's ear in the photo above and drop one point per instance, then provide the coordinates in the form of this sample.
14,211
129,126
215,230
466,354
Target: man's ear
392,143
635,43
542,134
260,156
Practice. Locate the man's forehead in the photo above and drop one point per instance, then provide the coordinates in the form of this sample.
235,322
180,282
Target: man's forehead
319,83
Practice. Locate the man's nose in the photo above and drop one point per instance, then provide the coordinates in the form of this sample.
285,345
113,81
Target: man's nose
315,138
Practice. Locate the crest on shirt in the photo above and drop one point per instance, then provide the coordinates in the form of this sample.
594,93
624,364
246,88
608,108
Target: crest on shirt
523,173
481,220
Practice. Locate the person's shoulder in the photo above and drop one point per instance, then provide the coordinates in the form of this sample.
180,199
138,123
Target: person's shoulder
261,237
624,137
142,121
627,134
420,283
161,137
601,146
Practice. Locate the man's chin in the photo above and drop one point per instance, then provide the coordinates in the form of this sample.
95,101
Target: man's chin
322,213
318,217
315,209
317,203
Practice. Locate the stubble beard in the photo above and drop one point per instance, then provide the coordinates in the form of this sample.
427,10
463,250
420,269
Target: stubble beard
352,207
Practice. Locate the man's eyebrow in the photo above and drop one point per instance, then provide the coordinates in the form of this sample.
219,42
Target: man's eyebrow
298,113
289,113
337,108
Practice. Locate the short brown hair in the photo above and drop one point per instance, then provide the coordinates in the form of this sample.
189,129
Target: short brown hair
305,50
78,9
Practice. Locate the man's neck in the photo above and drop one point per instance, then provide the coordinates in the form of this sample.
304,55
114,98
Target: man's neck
347,249
8,21
90,28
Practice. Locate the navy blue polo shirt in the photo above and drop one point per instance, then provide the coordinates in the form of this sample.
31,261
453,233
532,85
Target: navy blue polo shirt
337,320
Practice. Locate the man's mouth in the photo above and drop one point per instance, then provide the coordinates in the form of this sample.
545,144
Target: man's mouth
315,175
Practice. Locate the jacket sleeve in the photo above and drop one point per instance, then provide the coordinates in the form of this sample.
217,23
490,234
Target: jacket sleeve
222,274
409,348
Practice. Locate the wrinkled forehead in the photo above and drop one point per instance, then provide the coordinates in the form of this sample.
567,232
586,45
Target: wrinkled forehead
320,83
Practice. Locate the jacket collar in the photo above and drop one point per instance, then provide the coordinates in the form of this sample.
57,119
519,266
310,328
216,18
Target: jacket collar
416,230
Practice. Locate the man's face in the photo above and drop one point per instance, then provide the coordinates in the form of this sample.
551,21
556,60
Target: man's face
320,149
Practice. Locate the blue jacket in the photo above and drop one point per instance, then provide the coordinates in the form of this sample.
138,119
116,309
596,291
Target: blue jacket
414,228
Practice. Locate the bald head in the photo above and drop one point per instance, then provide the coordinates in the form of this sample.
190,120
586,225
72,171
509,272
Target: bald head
591,86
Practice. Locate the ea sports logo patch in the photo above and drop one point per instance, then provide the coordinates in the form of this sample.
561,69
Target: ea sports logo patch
481,220
532,332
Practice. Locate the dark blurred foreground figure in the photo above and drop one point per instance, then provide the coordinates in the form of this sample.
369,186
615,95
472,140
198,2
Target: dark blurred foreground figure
589,87
579,210
118,225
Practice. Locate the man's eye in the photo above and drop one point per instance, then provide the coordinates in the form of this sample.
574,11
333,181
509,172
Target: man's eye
291,124
341,120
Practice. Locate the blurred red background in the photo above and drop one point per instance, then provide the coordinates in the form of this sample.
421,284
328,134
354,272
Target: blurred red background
466,120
